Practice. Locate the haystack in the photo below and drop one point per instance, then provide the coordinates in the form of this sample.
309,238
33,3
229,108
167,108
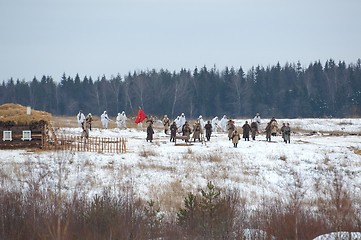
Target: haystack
17,114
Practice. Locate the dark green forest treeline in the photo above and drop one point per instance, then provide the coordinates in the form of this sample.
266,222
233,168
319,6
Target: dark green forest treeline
332,90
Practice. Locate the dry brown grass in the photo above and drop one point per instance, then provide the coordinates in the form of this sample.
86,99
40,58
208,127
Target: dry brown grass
109,166
18,114
88,163
158,167
345,123
71,122
170,195
358,152
214,157
147,153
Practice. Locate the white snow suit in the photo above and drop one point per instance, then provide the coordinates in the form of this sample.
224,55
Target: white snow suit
105,119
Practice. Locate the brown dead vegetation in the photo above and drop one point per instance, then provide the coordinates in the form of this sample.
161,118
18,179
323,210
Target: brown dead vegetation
36,214
17,113
358,152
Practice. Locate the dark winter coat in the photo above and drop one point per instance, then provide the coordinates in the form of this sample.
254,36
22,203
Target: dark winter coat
208,128
187,131
150,132
254,128
173,130
246,130
283,131
268,131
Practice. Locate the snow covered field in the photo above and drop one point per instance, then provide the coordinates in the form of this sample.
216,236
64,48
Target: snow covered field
165,173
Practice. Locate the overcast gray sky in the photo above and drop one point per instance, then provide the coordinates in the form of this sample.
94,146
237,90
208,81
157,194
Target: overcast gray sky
96,37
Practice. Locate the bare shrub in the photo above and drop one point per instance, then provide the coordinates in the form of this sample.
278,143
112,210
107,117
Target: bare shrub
170,195
339,207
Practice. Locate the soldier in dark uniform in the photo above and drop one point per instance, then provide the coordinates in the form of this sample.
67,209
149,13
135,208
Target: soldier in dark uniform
254,128
283,130
173,131
150,132
246,129
187,131
268,132
287,134
208,128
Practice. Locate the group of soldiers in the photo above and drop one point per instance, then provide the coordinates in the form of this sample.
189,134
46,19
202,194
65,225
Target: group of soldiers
86,122
272,129
180,125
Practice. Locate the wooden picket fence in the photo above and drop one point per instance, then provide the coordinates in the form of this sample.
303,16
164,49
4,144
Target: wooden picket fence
91,144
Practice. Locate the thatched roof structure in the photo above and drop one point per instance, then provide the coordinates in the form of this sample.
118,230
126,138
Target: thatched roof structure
17,114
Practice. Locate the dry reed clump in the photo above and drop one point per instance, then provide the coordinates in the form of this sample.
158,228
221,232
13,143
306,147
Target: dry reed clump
155,166
147,153
345,123
88,163
214,157
109,166
17,113
189,151
169,195
355,150
190,155
358,152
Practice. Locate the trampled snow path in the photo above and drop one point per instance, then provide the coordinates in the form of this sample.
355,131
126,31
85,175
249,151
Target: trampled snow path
164,172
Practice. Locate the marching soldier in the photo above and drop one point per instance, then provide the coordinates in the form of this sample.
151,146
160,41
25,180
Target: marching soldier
208,128
173,131
246,130
166,123
235,138
197,131
231,128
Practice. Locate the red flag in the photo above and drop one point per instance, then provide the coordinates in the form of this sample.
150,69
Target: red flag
141,116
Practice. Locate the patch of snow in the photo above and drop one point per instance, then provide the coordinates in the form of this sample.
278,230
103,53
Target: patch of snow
257,168
340,235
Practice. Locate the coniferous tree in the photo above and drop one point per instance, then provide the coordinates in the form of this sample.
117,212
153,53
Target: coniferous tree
281,91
